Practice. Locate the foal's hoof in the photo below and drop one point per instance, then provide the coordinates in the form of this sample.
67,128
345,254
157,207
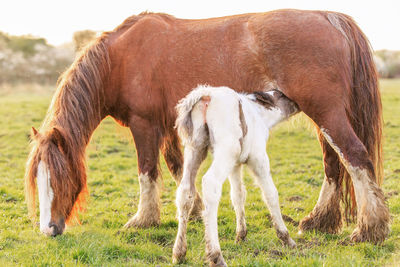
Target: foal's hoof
178,254
216,259
291,243
241,236
141,221
286,239
178,259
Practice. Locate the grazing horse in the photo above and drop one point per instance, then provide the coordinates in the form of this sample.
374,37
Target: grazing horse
236,128
139,71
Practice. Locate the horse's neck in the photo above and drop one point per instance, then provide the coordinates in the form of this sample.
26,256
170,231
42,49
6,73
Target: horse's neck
76,117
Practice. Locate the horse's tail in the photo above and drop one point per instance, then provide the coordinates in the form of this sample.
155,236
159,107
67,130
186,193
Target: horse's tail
365,107
184,123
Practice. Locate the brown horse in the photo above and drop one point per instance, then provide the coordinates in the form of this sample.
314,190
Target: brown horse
138,72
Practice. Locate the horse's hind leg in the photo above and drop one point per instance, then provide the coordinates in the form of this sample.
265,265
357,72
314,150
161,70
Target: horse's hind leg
185,196
372,212
173,157
326,215
238,197
147,140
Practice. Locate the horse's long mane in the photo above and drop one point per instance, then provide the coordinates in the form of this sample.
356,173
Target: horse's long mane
74,113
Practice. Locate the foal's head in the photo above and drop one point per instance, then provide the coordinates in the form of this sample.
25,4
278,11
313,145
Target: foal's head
277,107
61,180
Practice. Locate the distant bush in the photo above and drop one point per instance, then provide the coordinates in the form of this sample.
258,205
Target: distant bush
31,59
388,63
82,38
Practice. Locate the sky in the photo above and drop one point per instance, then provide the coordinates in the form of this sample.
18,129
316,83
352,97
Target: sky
57,20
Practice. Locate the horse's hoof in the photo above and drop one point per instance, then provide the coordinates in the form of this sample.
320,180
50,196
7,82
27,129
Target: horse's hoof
329,222
363,235
140,221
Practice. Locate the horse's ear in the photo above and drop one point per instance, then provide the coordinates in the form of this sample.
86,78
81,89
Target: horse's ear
265,99
58,139
34,133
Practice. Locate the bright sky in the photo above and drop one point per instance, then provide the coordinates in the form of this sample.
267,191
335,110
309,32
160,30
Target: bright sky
57,20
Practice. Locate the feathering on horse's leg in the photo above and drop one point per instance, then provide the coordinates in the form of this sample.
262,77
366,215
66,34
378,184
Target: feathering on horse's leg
326,215
259,165
147,142
185,197
372,212
238,198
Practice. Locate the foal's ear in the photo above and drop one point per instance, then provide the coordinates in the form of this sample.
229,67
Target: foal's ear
264,99
58,139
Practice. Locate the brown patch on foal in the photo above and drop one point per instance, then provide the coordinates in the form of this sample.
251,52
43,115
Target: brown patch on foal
243,124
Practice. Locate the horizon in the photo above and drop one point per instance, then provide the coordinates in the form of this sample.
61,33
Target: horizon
376,21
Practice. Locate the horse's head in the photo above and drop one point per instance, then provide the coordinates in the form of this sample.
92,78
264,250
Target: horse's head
61,178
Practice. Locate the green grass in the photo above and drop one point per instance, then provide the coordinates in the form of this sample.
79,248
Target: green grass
296,163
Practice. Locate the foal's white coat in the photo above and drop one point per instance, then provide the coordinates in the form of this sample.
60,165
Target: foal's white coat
235,127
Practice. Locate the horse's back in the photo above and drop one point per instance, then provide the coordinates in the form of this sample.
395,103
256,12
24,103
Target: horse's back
161,58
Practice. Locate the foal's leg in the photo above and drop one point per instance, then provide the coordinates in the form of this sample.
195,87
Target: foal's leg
174,159
185,197
238,197
372,212
147,140
259,164
225,156
326,215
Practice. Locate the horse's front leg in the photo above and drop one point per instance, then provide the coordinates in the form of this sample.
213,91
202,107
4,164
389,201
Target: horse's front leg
147,140
326,215
185,197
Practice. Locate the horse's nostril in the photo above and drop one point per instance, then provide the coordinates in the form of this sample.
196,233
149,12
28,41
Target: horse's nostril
55,229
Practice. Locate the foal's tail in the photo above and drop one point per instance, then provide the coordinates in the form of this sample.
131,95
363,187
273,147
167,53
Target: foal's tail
365,109
184,123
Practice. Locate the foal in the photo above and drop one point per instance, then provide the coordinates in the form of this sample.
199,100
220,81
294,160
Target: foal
235,128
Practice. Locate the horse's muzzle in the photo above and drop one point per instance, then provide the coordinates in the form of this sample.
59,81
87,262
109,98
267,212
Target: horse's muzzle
54,229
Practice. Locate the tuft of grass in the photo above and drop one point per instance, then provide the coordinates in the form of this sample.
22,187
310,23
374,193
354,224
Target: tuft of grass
296,165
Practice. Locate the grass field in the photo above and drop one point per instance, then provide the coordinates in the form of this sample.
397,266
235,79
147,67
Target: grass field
296,162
